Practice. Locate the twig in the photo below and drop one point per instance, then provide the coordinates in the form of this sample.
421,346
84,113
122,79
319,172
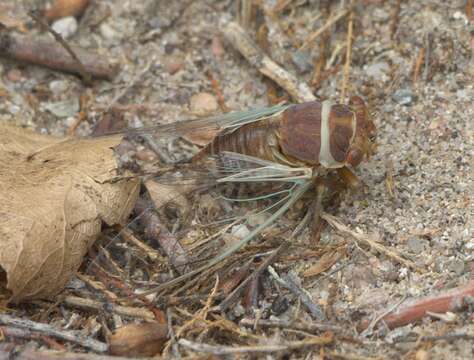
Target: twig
289,284
50,54
469,6
375,321
364,239
227,350
238,38
234,295
86,77
90,304
395,19
312,327
30,354
325,27
418,63
66,335
155,230
428,42
347,65
453,300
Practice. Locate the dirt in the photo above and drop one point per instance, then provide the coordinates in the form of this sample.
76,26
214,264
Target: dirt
418,187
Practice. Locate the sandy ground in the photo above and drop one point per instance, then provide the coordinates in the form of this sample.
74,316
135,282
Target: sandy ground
418,189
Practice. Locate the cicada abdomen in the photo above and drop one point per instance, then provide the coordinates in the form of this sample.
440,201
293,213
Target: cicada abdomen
314,134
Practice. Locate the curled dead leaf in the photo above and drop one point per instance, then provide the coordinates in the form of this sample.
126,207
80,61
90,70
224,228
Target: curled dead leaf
63,8
54,196
136,340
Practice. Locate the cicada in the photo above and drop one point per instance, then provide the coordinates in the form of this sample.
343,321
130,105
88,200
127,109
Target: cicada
295,144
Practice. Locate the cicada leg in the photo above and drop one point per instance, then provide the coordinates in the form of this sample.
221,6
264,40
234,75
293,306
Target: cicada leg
349,178
313,214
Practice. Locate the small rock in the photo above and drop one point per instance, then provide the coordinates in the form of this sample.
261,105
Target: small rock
173,65
108,32
217,48
64,108
240,231
416,245
457,266
403,96
302,61
378,70
280,305
66,27
203,104
14,75
58,86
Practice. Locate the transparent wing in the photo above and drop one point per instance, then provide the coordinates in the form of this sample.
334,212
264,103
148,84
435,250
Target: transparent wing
228,122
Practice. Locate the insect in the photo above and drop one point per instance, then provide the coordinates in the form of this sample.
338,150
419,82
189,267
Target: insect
295,144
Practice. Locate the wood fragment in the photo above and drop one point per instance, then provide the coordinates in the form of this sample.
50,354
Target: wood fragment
236,35
312,327
452,300
347,65
228,350
22,353
469,6
395,19
331,21
50,54
86,77
235,295
66,335
288,283
154,229
418,64
89,304
364,239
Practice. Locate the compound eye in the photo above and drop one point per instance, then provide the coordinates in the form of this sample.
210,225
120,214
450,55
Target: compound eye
354,157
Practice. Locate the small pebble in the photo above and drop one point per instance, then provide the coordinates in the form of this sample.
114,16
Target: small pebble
203,104
457,266
302,61
240,231
14,75
58,86
416,245
173,65
403,96
64,108
108,32
378,70
66,27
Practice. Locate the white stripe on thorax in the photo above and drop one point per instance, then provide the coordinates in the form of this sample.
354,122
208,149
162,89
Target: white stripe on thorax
325,157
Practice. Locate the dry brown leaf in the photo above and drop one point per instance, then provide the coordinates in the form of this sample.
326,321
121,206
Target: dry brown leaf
52,204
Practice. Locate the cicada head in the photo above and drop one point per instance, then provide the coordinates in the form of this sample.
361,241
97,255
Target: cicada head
327,134
363,144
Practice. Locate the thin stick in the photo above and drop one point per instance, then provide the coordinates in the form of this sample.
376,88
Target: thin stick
325,27
89,304
347,65
50,54
305,299
227,350
86,77
311,327
239,39
67,335
234,295
395,19
26,353
364,239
